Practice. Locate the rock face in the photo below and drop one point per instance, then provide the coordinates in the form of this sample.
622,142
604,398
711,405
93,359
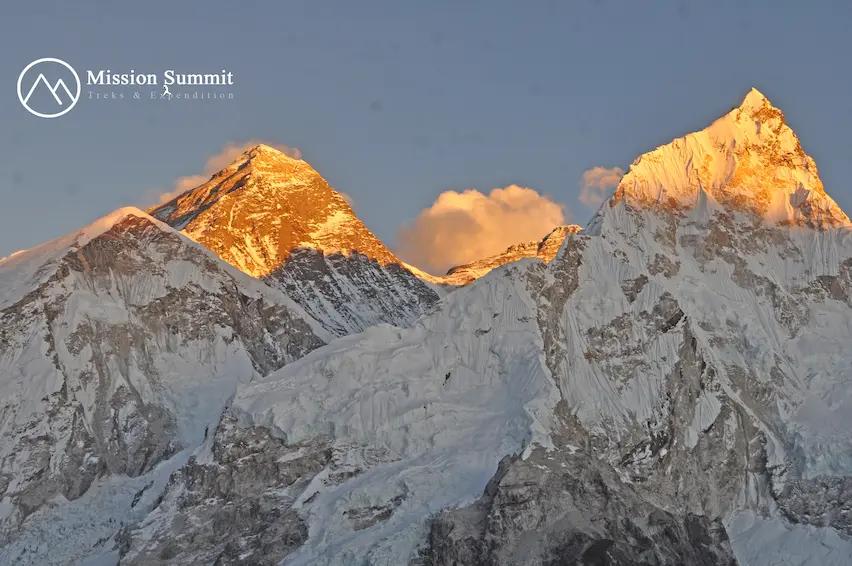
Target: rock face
671,388
545,250
118,346
275,218
217,509
570,508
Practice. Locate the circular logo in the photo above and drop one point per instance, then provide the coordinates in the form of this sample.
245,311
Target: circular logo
43,87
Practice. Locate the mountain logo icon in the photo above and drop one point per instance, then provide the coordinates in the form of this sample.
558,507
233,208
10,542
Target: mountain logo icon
43,87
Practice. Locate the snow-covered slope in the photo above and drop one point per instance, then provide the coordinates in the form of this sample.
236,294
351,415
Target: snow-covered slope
119,345
544,249
275,218
673,387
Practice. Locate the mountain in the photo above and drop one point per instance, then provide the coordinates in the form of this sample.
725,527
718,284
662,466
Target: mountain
672,388
669,386
544,249
120,344
749,160
275,218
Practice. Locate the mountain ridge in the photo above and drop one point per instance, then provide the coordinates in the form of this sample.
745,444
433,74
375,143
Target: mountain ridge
544,249
671,387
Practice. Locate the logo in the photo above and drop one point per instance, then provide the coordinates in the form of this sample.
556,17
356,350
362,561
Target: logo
50,87
43,87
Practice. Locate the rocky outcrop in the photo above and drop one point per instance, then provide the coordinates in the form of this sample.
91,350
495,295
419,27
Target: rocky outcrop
233,504
822,502
567,507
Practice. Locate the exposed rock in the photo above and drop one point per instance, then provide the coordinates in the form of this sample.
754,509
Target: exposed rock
822,502
565,507
234,506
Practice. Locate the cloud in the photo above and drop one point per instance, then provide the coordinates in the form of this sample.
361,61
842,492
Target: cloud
597,182
460,227
216,162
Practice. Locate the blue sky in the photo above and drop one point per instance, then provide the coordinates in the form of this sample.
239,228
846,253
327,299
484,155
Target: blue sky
394,102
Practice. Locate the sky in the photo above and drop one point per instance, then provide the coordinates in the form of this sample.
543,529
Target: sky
396,103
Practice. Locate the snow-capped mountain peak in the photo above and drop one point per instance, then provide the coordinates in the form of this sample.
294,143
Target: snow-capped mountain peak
119,344
24,269
274,217
754,99
265,204
749,160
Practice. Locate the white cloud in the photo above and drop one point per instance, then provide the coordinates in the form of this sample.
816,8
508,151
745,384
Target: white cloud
596,184
216,162
460,227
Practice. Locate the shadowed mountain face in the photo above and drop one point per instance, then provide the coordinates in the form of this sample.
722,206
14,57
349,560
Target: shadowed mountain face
276,218
119,345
